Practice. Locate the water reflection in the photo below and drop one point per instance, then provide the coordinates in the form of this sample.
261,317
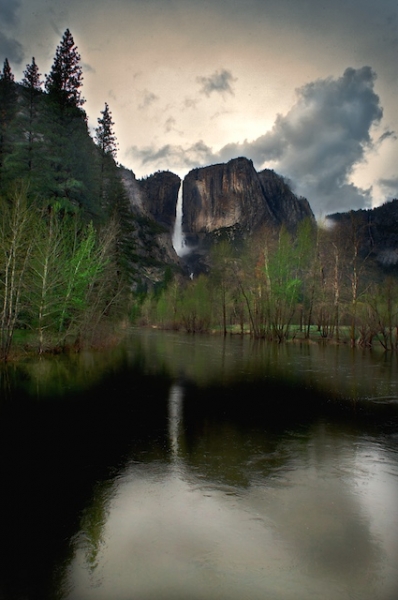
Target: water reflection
254,514
198,467
175,417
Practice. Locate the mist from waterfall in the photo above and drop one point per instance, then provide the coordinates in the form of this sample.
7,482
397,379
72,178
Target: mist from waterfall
178,237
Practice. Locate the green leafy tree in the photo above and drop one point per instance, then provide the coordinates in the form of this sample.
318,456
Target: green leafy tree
47,274
384,307
17,235
282,284
196,305
73,280
222,279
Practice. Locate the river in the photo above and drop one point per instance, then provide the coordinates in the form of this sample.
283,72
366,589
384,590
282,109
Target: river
200,467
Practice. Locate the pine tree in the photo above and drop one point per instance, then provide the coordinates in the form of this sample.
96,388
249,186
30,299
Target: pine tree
8,106
105,140
65,79
114,202
31,83
104,135
31,79
70,171
7,74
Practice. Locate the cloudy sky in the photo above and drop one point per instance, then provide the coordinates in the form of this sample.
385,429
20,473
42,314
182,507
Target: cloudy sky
308,88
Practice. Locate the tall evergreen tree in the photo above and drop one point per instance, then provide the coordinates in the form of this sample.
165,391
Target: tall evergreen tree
105,137
105,140
31,79
112,194
32,90
8,109
71,153
64,81
7,74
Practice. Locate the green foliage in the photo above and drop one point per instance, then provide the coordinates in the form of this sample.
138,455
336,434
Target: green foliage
58,275
16,244
223,281
383,317
44,140
283,285
196,306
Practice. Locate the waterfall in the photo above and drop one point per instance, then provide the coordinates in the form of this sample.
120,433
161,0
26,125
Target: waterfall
178,236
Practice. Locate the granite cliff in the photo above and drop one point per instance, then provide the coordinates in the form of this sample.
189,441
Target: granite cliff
229,197
234,196
152,203
223,196
160,191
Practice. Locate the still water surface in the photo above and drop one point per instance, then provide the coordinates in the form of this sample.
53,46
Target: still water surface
203,468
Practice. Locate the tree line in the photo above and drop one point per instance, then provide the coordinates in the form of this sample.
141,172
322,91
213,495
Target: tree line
319,283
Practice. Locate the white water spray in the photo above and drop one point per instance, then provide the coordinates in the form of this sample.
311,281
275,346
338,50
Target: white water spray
178,237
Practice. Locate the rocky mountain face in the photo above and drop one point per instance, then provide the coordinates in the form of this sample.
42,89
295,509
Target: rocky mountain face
234,195
153,206
222,196
231,197
287,208
160,192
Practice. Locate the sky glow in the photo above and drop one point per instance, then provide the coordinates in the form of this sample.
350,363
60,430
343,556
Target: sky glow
306,87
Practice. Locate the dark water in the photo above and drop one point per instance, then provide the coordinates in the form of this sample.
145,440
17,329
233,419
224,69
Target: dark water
196,467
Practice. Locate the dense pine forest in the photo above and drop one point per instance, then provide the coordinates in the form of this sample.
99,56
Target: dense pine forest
68,263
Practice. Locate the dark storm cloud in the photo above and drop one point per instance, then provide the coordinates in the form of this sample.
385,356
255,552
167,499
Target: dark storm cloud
8,11
321,139
10,49
316,144
219,81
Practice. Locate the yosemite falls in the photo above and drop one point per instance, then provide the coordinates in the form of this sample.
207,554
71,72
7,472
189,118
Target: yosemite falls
178,236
